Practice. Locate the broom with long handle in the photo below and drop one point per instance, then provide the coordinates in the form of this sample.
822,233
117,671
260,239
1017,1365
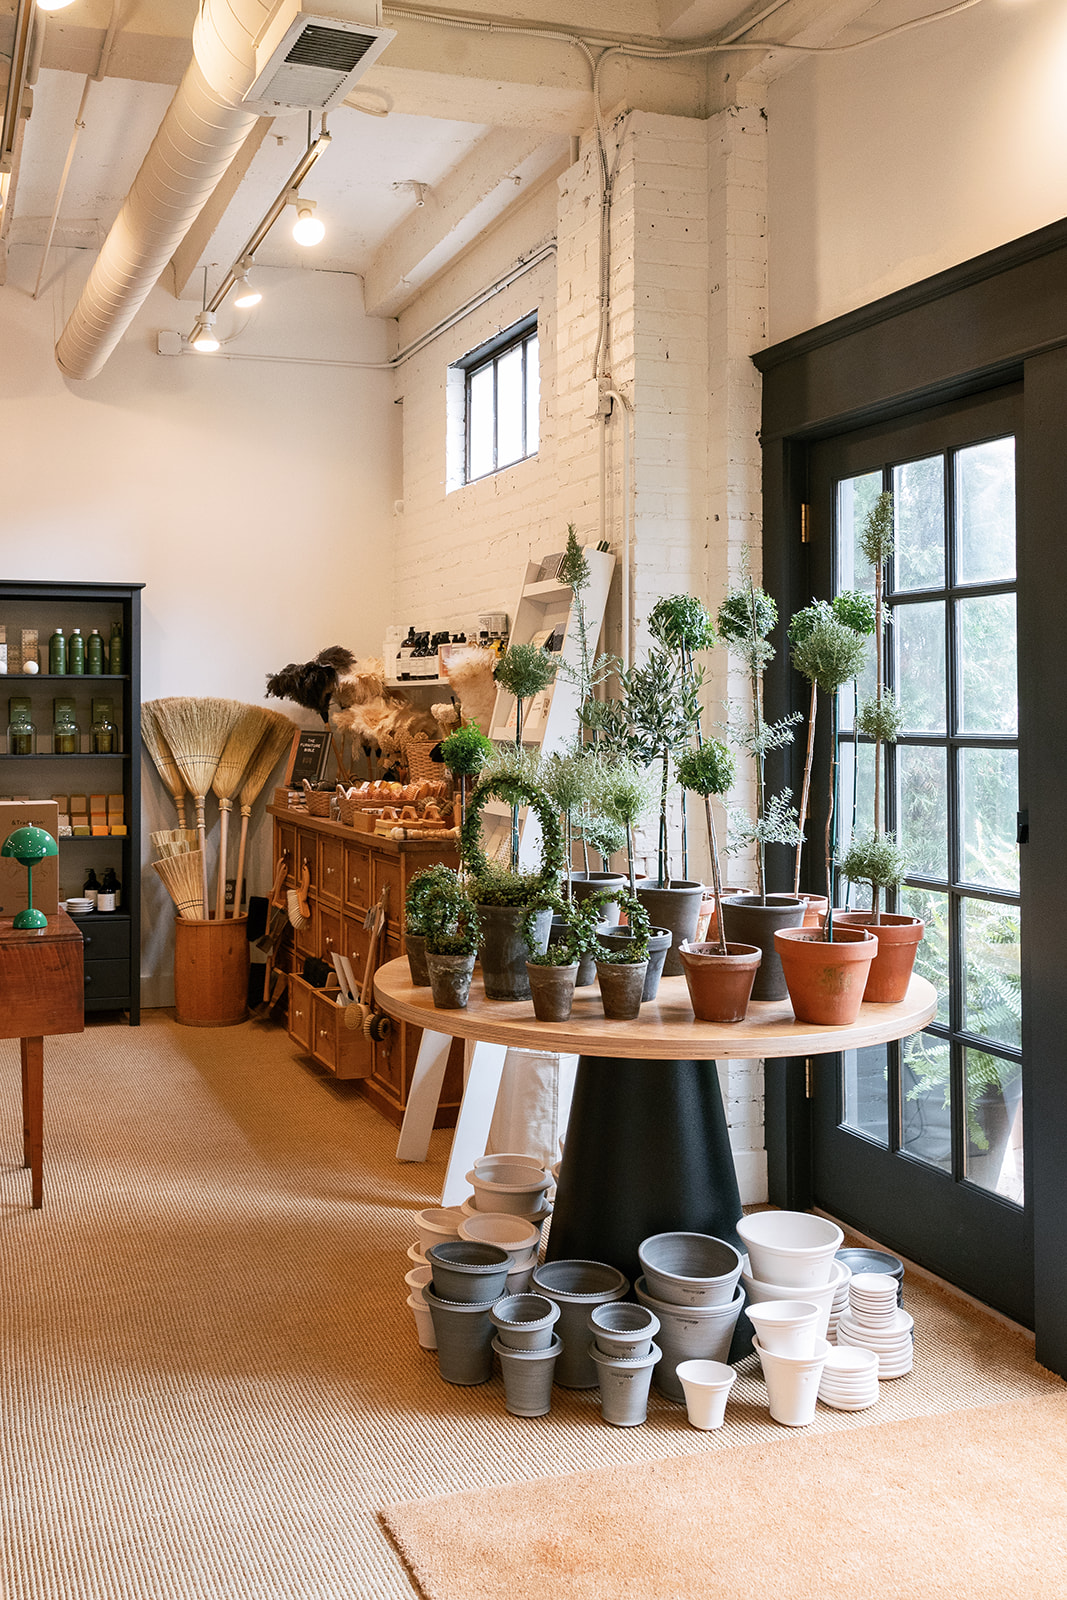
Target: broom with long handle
196,732
275,741
166,765
240,748
182,876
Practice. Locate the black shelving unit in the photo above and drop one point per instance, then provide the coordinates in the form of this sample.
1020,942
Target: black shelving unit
112,939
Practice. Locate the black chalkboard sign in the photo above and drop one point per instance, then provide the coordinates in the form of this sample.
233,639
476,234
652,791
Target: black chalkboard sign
307,758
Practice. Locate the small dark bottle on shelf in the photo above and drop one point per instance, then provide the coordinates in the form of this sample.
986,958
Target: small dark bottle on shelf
114,649
110,894
92,885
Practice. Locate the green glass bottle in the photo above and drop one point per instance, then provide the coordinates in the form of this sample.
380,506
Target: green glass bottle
114,649
94,653
57,654
76,652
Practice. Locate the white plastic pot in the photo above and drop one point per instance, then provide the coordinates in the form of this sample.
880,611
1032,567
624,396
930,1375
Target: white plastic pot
437,1223
791,1248
423,1320
785,1327
793,1383
519,1191
707,1386
757,1293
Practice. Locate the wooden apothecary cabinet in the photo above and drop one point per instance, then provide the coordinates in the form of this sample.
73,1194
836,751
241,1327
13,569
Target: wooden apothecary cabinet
348,871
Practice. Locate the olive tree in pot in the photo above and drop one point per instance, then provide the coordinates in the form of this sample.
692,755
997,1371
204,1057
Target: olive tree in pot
621,972
745,620
503,894
682,625
452,935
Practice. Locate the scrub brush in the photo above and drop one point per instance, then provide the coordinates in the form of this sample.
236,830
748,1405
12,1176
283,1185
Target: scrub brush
297,901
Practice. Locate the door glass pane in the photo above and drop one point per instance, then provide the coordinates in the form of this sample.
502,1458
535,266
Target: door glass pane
992,991
864,1081
920,657
931,960
480,422
855,497
994,1124
985,511
989,782
988,691
922,806
919,517
533,395
926,1091
509,402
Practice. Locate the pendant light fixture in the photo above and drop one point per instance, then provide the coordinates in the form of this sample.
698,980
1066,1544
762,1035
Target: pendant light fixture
307,229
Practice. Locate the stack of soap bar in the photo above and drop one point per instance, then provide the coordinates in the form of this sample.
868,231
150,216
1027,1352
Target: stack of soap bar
98,815
79,816
116,819
63,802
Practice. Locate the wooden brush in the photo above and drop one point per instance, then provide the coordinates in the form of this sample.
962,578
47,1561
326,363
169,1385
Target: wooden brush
239,750
184,878
276,739
166,765
196,732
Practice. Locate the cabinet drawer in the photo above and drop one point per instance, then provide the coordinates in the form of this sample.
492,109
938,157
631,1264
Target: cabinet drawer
357,876
331,873
307,855
341,1051
389,1061
329,933
386,873
354,942
285,847
300,1012
105,980
103,939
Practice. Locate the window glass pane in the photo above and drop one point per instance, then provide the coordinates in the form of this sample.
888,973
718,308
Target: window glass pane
926,1090
919,517
992,998
989,803
866,1092
480,422
985,512
919,632
994,1158
989,700
855,809
533,396
855,497
509,407
931,960
922,807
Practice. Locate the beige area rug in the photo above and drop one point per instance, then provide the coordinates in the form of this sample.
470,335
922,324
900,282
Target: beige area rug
209,1381
967,1504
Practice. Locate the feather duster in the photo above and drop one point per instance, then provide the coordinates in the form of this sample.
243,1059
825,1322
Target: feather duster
470,675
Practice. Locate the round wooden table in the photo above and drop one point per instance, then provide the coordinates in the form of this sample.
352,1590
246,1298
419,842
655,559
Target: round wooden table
647,1148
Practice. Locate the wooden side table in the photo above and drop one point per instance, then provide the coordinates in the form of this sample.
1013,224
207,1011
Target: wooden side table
42,992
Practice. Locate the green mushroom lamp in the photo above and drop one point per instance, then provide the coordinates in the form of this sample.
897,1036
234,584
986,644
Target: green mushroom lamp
28,846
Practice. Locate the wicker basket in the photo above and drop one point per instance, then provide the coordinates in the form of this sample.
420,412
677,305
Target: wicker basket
320,802
419,764
346,809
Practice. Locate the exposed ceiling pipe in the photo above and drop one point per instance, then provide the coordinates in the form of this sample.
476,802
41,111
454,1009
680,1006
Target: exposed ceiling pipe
203,129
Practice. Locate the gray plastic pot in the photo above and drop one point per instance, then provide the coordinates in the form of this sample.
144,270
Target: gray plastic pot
622,1329
576,1287
747,920
676,908
464,1339
622,986
525,1321
552,990
659,942
468,1271
690,1269
584,885
689,1333
503,949
624,1385
528,1377
415,949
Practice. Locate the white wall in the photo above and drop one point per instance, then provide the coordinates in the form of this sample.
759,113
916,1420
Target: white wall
893,162
253,499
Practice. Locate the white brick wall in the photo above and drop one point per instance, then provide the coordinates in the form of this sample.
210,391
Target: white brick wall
688,306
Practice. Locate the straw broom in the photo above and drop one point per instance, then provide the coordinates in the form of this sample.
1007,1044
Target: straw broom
240,747
196,732
173,841
166,765
183,876
275,741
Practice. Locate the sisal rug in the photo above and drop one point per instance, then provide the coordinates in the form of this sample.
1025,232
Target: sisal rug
967,1504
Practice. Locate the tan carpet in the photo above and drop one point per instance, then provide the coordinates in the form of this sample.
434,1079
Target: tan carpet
209,1381
968,1504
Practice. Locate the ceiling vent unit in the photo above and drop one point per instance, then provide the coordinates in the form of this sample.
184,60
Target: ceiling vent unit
308,61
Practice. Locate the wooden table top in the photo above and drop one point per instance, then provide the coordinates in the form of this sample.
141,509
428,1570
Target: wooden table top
42,988
666,1030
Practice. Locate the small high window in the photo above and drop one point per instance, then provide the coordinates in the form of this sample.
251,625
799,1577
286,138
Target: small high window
502,389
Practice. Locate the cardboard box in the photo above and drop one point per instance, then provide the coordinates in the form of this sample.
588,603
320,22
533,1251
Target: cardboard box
29,814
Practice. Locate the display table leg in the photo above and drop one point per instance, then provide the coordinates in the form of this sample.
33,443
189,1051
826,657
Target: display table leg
423,1096
647,1151
32,1054
483,1065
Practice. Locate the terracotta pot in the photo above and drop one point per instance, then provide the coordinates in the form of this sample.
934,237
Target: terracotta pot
816,911
552,990
720,986
898,944
621,985
826,980
747,920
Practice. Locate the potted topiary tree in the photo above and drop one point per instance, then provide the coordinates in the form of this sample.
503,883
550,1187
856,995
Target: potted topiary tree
523,671
465,752
745,620
682,625
421,889
553,972
452,936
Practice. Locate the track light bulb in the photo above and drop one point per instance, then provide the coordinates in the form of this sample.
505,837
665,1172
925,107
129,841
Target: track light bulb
307,229
53,5
247,296
203,338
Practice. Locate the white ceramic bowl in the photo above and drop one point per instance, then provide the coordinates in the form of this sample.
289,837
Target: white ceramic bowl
792,1248
514,1234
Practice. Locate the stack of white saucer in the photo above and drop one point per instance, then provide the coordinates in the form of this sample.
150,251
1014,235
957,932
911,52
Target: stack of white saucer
849,1380
874,1322
839,1305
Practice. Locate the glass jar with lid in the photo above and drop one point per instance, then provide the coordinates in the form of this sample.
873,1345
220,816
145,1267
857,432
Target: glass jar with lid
65,740
103,735
21,732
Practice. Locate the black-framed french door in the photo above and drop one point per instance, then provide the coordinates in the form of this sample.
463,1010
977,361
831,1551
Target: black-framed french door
921,1144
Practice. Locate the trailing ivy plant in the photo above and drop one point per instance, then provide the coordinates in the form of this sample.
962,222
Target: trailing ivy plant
422,888
490,883
636,948
577,938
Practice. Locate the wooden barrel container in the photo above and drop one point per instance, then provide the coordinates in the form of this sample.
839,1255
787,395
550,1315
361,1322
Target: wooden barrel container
210,972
